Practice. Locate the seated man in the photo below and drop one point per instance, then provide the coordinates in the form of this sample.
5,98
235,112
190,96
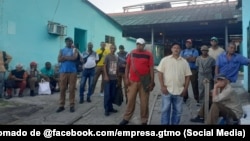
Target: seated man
225,102
48,74
33,77
17,79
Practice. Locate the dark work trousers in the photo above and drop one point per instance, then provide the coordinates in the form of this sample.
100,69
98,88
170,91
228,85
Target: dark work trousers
194,82
109,94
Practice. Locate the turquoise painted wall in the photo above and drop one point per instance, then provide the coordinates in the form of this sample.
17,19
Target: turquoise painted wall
245,24
23,28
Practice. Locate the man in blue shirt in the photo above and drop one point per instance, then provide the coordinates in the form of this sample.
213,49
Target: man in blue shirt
190,54
229,63
68,74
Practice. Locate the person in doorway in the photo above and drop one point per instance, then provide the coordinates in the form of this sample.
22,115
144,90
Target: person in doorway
68,74
190,54
139,63
174,77
102,53
122,55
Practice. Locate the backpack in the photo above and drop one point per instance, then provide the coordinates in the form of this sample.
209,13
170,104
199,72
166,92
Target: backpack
5,59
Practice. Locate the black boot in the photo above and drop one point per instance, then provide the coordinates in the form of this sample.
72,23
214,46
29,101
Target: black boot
88,99
81,100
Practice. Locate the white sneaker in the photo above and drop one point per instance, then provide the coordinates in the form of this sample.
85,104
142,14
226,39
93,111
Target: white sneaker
101,94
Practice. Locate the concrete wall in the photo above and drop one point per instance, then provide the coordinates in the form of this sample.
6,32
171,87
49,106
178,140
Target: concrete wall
24,35
245,24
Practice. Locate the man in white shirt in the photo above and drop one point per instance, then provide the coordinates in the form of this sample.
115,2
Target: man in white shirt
215,50
88,72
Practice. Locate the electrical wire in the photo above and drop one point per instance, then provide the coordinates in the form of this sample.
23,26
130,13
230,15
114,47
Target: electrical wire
58,2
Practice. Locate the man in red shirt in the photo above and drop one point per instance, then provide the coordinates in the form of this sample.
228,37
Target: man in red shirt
139,63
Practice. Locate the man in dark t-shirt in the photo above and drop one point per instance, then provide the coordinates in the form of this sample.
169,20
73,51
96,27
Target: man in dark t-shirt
16,79
122,55
110,80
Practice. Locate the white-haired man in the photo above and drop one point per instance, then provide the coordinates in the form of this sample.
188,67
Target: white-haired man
16,79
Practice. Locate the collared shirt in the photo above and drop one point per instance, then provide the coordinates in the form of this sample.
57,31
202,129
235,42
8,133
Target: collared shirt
174,73
231,67
190,53
229,98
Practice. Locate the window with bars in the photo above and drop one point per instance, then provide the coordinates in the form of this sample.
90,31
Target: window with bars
109,39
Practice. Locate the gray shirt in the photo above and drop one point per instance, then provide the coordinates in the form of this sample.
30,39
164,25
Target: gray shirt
205,66
111,62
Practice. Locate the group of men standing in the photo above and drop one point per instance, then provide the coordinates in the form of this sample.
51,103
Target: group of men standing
175,72
102,62
215,64
136,71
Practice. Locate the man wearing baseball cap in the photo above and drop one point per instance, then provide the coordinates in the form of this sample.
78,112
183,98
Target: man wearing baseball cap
205,65
225,102
140,63
215,50
190,54
68,74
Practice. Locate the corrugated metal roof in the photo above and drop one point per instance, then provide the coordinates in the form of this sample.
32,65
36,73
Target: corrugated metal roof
192,13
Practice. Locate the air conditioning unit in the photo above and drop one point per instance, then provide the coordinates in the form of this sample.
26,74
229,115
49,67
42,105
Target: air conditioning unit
56,28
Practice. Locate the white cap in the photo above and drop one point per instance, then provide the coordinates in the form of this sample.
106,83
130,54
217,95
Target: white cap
140,41
19,65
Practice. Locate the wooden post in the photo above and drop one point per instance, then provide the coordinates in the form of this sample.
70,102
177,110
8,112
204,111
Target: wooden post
206,98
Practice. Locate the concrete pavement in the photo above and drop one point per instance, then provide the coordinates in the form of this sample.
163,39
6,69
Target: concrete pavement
41,110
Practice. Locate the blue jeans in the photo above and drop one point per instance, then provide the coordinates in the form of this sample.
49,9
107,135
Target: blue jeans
109,94
171,109
87,74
